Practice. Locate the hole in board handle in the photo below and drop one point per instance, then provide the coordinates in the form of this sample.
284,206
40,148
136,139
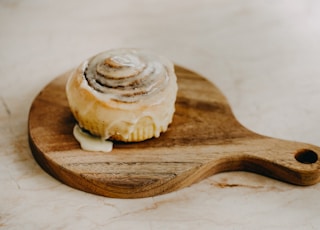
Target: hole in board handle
306,156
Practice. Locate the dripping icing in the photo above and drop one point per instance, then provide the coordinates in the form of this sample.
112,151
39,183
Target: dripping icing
118,123
91,143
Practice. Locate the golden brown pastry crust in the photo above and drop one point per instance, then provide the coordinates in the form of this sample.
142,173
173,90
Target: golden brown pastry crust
124,117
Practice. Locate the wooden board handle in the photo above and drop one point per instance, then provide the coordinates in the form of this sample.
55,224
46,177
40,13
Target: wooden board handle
293,162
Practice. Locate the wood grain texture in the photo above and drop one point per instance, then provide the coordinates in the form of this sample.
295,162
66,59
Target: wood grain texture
204,139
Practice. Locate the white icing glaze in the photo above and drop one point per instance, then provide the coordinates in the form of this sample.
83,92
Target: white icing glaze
111,113
91,143
127,75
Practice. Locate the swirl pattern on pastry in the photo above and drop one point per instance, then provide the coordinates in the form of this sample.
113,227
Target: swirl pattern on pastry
126,75
123,94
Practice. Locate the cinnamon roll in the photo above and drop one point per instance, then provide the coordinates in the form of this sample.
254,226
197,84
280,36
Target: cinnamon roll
123,94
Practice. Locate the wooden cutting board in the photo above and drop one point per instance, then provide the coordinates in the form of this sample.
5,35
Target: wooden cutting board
204,139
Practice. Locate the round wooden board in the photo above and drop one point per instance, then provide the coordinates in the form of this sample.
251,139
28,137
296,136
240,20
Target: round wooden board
205,138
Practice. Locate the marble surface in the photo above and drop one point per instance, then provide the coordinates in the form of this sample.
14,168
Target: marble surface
264,56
